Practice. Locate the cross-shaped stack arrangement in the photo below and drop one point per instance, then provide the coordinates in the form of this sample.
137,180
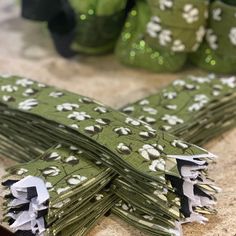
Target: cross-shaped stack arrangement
84,158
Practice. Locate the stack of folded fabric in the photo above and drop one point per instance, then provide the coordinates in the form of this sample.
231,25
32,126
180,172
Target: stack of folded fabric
161,178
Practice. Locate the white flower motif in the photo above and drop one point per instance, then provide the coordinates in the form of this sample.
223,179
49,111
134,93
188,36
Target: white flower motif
80,116
212,39
195,107
28,104
128,109
154,27
179,82
230,82
132,121
150,110
149,152
124,149
9,88
190,13
179,143
147,119
148,217
170,95
56,94
72,160
200,33
147,134
165,37
21,171
200,80
166,127
171,107
202,98
7,98
144,102
158,165
99,197
62,190
123,131
216,14
164,4
128,207
74,126
178,46
103,121
51,171
54,156
101,110
24,82
172,120
232,36
76,179
67,107
93,129
49,185
29,92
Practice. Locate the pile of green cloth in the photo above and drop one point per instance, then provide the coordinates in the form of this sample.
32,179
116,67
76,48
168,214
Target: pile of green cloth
157,35
85,158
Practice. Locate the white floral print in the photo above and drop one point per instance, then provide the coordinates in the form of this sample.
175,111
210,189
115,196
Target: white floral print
200,33
93,129
144,102
165,37
164,4
232,36
28,104
149,152
21,171
67,107
7,98
101,110
124,149
24,82
51,171
179,82
80,116
9,88
122,131
150,110
99,197
190,13
148,119
132,121
179,143
56,94
62,190
76,179
170,95
171,107
178,46
172,120
128,109
29,92
230,82
158,165
216,14
212,39
154,27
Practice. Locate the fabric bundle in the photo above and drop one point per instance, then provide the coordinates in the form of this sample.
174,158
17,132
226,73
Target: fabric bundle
195,196
157,35
217,53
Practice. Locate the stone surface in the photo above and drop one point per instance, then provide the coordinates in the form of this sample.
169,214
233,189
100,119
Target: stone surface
26,49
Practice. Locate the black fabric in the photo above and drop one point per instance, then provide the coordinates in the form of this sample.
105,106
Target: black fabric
31,192
5,232
62,30
40,10
8,183
24,233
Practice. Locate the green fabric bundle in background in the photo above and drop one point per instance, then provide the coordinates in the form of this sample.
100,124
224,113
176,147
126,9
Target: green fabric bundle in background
217,53
192,85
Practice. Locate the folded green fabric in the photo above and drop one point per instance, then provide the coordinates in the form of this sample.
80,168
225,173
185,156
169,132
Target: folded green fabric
177,25
133,48
98,24
64,106
217,53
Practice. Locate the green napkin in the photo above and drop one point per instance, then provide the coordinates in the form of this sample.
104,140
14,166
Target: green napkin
98,24
133,47
134,122
217,53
